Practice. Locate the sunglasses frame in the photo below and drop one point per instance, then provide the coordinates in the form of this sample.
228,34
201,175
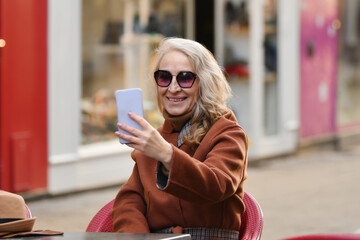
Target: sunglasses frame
177,76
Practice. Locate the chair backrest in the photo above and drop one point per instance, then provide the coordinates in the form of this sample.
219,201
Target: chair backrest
28,212
327,237
251,221
102,221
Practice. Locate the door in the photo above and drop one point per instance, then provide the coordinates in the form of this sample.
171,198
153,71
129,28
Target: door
204,21
23,100
318,54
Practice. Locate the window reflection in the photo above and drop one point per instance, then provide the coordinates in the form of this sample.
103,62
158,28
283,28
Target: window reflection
349,63
270,62
237,38
237,55
118,38
236,58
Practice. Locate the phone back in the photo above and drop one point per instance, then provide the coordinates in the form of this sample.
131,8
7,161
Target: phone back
128,100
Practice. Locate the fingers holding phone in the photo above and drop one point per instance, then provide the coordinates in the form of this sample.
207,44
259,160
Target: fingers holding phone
135,131
147,140
130,133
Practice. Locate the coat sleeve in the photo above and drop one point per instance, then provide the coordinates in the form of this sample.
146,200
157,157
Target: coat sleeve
129,207
217,174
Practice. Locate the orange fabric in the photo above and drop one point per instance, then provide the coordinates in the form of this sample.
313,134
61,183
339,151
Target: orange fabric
205,187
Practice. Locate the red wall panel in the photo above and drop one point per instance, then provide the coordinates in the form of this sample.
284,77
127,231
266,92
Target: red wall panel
23,95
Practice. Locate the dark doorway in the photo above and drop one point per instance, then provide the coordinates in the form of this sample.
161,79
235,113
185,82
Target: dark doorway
204,18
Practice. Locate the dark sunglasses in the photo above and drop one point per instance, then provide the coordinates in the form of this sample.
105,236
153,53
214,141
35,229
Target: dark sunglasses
185,79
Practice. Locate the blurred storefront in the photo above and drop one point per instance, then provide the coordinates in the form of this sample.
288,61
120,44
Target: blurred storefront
293,72
116,48
118,38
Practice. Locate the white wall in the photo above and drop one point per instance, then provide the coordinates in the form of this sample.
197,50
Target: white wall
289,59
64,78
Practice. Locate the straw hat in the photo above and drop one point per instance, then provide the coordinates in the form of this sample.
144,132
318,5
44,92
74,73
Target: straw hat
13,216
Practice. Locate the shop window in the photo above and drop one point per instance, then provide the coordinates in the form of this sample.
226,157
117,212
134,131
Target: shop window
237,39
348,95
118,39
270,110
236,57
236,60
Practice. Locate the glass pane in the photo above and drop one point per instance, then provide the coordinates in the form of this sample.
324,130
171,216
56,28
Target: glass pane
348,103
270,60
236,57
118,39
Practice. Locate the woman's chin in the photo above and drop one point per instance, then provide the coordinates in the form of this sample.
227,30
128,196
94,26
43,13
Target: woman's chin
176,112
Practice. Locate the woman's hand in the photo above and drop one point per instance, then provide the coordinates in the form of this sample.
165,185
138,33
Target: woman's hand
148,140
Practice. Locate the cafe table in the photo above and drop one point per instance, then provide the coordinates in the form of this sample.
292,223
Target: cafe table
109,236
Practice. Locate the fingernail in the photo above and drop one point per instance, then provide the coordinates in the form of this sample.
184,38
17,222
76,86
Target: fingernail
130,113
119,124
117,133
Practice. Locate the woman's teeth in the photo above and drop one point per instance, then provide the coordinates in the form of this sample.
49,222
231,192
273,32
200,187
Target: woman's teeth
176,99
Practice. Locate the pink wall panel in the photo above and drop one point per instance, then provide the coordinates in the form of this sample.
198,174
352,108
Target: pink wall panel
318,67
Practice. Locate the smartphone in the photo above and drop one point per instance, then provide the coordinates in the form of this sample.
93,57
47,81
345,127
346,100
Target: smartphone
128,100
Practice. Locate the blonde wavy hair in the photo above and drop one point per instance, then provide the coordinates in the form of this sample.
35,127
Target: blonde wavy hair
214,89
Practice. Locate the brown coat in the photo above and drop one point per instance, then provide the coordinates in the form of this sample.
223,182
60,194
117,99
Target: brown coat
205,187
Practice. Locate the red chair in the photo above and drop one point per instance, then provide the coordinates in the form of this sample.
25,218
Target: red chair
327,237
102,221
251,221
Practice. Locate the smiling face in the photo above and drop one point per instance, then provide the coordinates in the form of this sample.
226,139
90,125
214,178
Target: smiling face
176,100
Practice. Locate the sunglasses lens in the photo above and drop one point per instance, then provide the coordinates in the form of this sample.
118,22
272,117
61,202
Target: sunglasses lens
163,78
186,79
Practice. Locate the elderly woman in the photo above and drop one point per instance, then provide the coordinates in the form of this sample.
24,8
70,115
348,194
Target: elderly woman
188,175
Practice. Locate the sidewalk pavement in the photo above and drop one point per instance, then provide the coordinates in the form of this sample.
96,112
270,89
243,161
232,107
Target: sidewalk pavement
316,190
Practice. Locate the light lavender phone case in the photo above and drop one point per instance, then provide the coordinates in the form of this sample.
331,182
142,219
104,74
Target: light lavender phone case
128,100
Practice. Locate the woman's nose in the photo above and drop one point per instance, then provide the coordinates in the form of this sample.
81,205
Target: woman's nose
174,86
